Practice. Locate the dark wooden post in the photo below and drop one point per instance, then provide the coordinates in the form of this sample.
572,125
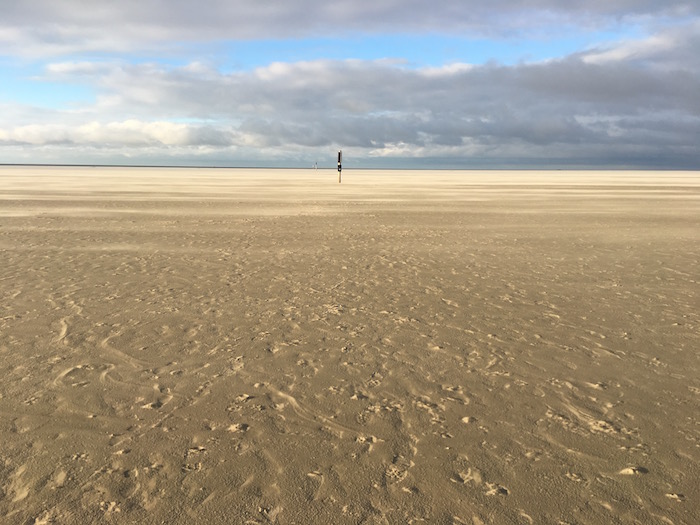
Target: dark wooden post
340,165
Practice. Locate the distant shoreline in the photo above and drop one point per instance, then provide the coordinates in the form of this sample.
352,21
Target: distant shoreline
331,168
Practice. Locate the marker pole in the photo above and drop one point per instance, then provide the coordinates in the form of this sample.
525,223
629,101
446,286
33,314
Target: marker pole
340,165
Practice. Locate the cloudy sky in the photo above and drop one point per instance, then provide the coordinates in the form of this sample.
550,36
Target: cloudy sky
394,83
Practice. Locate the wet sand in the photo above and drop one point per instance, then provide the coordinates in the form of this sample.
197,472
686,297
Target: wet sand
268,346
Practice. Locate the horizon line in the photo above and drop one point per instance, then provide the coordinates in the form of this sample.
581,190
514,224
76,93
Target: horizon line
333,168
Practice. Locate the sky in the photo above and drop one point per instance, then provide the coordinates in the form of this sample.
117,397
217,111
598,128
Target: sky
393,83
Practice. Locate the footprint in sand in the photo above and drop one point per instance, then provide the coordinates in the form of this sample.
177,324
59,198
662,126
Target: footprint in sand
193,453
435,410
75,376
494,489
573,476
238,402
17,487
456,393
163,398
61,338
633,471
238,427
236,364
398,470
45,518
366,444
318,478
468,476
58,479
600,425
109,507
676,497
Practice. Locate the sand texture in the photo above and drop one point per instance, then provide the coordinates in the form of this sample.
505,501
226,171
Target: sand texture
268,346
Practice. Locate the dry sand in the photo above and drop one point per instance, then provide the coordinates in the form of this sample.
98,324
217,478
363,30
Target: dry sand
267,346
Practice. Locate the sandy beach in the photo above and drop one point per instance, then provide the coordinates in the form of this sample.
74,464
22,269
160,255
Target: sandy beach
269,346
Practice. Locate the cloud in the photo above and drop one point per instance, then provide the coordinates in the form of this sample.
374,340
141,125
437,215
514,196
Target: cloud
581,106
53,27
631,101
117,134
72,69
669,49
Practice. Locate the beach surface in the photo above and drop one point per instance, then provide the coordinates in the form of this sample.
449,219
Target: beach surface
269,346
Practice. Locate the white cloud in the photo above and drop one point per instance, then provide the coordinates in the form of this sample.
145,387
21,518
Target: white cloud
117,134
446,70
58,69
673,48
